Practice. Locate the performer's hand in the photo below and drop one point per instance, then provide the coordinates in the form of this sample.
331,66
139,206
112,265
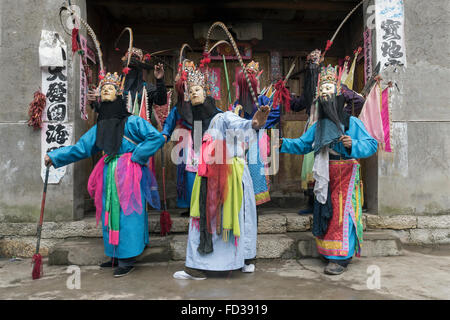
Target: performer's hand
260,117
159,71
165,137
48,162
92,95
347,141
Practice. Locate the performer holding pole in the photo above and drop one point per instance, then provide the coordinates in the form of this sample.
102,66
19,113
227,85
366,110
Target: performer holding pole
121,182
37,258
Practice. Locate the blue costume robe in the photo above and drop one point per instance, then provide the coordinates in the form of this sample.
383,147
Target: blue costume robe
185,179
255,161
363,146
134,233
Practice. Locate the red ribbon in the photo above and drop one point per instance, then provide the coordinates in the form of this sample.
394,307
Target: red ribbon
282,96
74,40
147,57
329,44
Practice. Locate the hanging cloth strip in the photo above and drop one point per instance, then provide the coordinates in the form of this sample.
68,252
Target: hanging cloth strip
112,205
124,182
232,204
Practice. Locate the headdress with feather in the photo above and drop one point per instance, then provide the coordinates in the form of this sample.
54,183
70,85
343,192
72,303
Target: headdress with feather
92,34
250,84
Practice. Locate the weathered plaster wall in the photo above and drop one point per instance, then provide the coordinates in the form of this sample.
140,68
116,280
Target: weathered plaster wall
415,179
21,23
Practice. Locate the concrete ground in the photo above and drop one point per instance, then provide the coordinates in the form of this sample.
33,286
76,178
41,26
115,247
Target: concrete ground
418,274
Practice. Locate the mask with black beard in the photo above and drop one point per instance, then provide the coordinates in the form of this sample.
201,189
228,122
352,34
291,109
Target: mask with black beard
112,116
332,121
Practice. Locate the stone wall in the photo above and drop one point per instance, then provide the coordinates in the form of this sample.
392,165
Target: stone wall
415,179
21,23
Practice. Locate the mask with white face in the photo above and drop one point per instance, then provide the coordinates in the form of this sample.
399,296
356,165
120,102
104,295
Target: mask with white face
196,95
108,93
327,90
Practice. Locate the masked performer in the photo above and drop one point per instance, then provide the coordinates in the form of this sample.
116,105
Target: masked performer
181,117
121,181
135,86
246,107
337,140
136,64
307,101
223,229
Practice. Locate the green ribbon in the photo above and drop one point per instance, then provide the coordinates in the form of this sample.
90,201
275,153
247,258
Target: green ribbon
112,204
228,82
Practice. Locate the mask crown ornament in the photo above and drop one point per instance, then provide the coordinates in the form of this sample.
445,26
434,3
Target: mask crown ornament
252,67
195,78
314,56
328,75
137,54
113,79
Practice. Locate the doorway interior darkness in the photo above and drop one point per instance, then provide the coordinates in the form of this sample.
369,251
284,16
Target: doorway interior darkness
279,32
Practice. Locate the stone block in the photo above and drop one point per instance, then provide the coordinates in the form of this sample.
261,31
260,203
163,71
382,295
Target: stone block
271,246
86,252
178,246
271,223
430,236
54,230
24,247
391,222
179,224
296,222
306,245
433,222
380,244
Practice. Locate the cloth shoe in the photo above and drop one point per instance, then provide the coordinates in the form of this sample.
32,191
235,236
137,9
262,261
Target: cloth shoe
248,268
183,275
334,269
122,271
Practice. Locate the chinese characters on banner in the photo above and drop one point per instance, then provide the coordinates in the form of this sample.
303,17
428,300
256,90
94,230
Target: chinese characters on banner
214,82
367,54
389,21
54,136
56,132
54,86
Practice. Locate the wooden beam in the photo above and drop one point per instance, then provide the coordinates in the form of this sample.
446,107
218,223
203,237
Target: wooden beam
317,5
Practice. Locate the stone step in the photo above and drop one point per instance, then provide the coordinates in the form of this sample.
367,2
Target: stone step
291,245
269,221
86,252
276,201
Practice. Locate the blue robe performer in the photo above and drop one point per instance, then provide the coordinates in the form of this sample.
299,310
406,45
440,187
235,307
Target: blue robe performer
121,181
246,107
353,104
337,140
181,117
223,227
